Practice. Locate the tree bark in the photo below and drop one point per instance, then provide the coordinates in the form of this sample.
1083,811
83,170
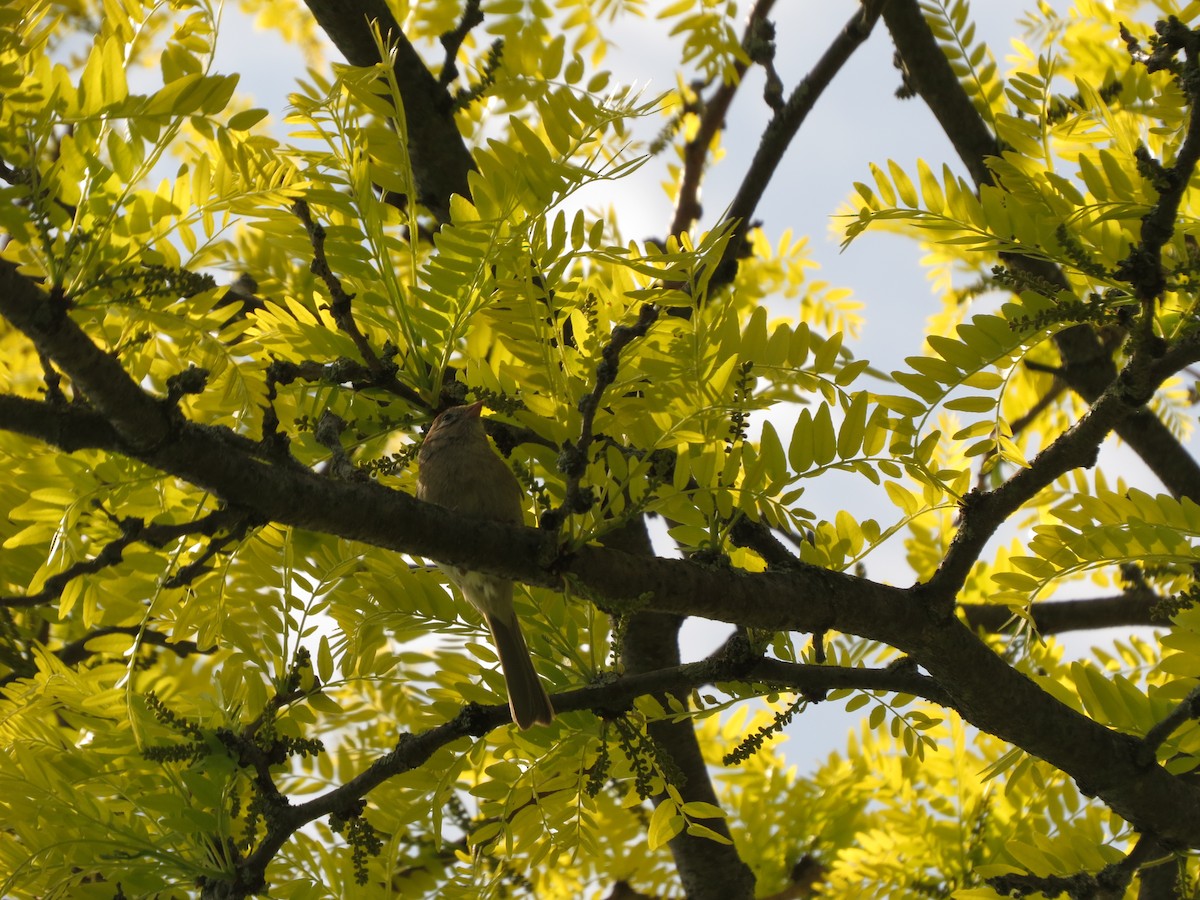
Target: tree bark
1087,367
708,870
440,157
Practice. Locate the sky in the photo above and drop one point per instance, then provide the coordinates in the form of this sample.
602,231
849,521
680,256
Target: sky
858,121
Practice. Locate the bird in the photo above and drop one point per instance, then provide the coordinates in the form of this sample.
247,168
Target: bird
457,469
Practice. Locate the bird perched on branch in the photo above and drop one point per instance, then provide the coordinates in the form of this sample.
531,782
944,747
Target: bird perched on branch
459,470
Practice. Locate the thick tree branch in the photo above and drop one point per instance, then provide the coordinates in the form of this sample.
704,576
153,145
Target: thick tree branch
440,158
928,71
141,421
69,428
1132,608
652,638
1088,368
649,641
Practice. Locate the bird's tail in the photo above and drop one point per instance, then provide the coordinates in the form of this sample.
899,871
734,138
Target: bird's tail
527,699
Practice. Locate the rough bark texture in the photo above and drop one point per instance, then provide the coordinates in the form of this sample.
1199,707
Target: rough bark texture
440,158
1088,367
706,868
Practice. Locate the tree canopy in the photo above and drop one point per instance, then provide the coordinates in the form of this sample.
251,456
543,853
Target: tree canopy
228,663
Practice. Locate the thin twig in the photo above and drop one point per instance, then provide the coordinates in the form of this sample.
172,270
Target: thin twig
1110,883
1188,708
574,458
453,40
132,531
984,511
383,374
695,153
782,128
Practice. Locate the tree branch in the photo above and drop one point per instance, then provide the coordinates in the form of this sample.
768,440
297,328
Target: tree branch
650,641
712,120
985,511
69,428
1088,368
778,134
440,158
76,651
1134,607
1188,708
413,750
1109,883
575,456
382,374
1143,267
140,420
452,40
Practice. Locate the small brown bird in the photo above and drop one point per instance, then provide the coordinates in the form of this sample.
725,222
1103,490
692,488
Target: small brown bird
459,470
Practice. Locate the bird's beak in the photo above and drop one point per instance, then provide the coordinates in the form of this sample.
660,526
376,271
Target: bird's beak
475,409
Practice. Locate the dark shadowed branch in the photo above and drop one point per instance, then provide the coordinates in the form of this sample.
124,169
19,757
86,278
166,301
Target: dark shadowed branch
712,114
1088,367
1132,608
440,158
786,122
413,750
